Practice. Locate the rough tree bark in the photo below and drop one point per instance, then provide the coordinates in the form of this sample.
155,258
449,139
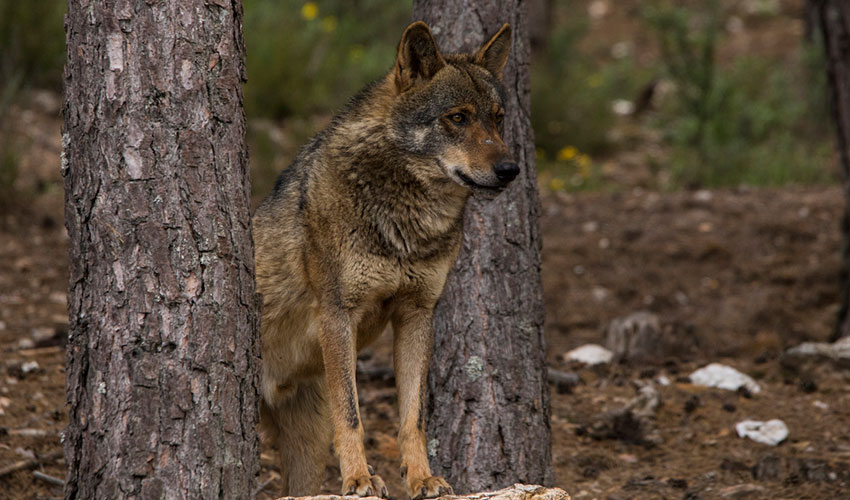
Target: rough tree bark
834,16
488,396
163,345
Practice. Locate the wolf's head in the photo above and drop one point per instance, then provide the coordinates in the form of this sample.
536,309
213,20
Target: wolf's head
449,110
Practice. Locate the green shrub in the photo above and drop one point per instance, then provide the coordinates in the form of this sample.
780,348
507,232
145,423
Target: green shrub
750,123
309,57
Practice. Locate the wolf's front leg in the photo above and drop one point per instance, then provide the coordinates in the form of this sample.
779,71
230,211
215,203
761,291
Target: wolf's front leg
412,346
336,337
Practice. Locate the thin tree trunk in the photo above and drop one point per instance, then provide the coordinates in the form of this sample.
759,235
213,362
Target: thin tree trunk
163,345
488,397
834,16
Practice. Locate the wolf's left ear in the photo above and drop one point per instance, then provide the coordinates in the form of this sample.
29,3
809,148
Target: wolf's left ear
494,54
418,57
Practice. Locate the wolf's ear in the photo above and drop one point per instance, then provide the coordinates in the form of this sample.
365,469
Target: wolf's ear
494,54
418,57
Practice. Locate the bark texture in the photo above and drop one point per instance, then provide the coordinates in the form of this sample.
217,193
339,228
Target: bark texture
515,492
163,346
834,16
488,395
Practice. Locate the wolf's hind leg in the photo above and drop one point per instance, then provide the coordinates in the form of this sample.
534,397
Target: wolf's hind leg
303,437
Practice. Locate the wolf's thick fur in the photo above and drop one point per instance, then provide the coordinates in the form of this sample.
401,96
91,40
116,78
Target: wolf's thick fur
360,231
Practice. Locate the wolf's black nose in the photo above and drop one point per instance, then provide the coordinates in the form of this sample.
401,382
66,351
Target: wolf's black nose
506,171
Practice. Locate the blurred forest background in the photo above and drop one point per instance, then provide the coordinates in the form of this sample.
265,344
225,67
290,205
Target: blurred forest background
660,94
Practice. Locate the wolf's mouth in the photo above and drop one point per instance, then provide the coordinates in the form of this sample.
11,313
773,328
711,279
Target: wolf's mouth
474,185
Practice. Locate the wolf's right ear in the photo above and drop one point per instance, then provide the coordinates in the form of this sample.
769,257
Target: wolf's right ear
418,58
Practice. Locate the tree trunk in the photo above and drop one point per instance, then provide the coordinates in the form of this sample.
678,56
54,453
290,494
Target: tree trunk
163,346
834,16
488,396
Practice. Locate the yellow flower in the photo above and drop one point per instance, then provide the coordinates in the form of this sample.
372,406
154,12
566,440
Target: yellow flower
309,11
556,184
595,80
329,24
567,153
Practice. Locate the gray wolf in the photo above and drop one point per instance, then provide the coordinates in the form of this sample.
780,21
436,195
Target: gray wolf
360,231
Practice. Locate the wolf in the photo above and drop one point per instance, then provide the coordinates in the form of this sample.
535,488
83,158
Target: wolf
361,231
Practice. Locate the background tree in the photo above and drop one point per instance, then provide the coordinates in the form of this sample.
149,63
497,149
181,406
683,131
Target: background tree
488,404
163,349
834,16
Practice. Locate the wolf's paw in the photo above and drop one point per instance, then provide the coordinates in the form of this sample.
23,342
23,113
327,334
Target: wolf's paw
429,487
365,486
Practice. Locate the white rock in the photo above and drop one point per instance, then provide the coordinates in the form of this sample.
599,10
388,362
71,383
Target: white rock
622,107
837,351
590,354
29,366
771,432
723,377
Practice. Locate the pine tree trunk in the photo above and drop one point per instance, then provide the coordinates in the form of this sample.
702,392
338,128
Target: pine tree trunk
488,400
163,346
834,16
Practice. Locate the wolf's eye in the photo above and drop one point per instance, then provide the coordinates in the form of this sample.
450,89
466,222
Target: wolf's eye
458,118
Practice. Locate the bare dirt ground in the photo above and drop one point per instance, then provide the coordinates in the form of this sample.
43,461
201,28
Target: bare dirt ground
738,275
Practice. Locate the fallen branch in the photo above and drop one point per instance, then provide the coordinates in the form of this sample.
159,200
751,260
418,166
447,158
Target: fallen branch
48,479
515,492
30,432
40,351
29,463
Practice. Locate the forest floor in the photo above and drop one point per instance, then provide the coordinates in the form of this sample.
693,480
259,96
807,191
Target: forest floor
738,276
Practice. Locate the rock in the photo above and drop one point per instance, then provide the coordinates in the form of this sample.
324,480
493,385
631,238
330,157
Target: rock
635,337
771,432
837,352
643,337
29,367
563,381
768,468
724,377
515,492
590,354
809,469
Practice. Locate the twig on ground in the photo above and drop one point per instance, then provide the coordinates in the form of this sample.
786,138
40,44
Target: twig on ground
48,479
29,463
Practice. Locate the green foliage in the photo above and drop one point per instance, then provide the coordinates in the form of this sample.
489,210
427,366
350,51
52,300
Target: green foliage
309,57
32,43
750,123
572,93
